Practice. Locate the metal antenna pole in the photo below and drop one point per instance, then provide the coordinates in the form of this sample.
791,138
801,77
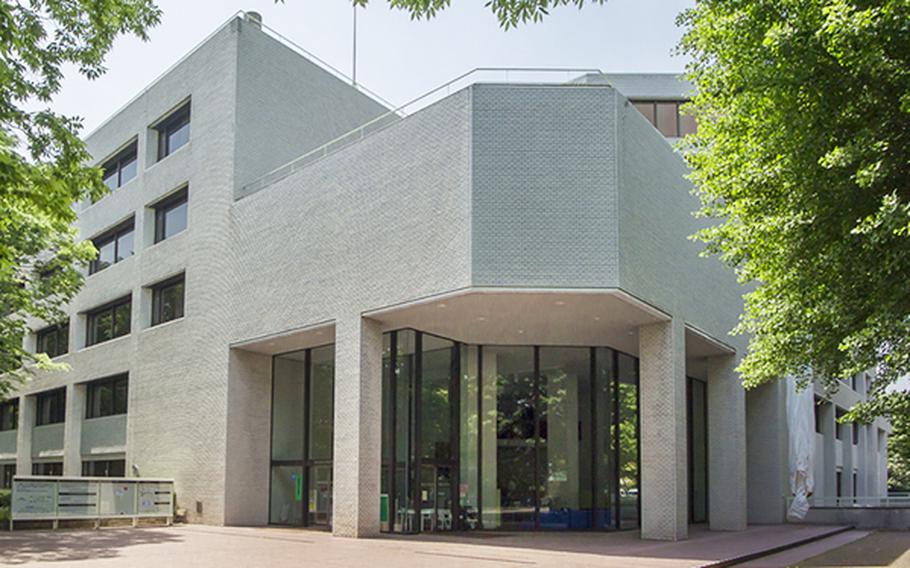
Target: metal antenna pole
354,55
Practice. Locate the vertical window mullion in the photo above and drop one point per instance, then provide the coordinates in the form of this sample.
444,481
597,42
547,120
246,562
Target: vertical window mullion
307,395
480,436
617,450
417,441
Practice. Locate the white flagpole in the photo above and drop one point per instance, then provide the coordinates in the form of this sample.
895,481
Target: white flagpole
354,55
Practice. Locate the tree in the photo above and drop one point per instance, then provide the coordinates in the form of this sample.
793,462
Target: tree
43,163
803,158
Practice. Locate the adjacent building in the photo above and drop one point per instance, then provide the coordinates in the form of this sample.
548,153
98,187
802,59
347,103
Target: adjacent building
309,309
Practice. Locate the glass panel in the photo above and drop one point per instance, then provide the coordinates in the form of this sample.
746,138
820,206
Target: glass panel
111,178
124,245
436,413
105,255
699,449
405,517
320,495
512,370
628,441
286,503
102,326
178,137
128,169
171,302
666,119
646,109
122,319
322,375
287,406
564,450
174,220
468,490
605,472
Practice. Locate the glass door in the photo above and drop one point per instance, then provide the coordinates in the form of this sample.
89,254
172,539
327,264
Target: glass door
302,438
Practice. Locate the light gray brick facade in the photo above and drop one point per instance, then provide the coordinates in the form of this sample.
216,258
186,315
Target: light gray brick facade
489,215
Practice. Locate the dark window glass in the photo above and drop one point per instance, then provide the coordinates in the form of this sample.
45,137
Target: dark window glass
173,131
667,115
51,407
856,430
47,468
107,397
9,415
167,300
108,322
6,475
818,415
839,428
170,216
104,468
54,340
113,246
121,168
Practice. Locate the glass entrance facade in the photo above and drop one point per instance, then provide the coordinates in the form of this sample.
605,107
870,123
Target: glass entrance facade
302,437
512,438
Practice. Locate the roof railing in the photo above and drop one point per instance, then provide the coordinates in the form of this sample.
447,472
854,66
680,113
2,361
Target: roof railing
500,75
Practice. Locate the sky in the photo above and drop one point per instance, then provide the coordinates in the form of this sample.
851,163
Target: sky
396,57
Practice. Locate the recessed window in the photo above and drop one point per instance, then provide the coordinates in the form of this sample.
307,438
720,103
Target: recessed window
107,397
121,168
167,300
839,427
51,407
173,131
170,215
666,117
104,468
47,468
857,430
7,471
54,340
113,246
9,415
109,321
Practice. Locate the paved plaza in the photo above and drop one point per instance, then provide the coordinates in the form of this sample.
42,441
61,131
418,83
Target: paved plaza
208,546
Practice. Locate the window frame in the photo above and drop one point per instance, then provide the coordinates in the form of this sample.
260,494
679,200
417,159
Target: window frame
117,163
157,304
7,472
165,206
174,121
114,235
9,414
92,315
652,119
47,397
108,382
88,464
38,466
58,331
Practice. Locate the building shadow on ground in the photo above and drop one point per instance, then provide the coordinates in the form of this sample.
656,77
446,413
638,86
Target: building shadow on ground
72,545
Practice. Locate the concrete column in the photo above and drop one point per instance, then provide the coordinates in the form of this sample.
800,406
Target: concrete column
72,429
664,484
358,427
826,416
727,487
849,464
27,408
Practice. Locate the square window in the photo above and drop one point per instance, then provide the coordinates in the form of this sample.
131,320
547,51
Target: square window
170,215
113,246
121,168
51,407
109,321
173,131
107,397
167,300
646,109
54,340
9,415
